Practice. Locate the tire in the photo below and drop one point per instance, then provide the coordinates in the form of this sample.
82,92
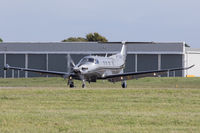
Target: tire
71,85
124,85
83,85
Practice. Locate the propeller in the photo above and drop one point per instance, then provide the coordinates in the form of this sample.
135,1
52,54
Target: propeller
70,63
70,66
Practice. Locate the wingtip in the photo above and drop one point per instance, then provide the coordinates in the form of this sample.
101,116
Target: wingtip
191,66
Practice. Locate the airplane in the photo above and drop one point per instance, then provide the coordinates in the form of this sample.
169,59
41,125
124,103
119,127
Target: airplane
93,68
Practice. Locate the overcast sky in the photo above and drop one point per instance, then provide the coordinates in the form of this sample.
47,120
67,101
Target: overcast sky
130,20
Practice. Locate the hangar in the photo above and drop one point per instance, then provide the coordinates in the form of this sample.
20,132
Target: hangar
141,56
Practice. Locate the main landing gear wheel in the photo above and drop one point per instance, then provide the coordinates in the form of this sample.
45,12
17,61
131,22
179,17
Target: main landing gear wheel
83,82
71,84
83,85
124,84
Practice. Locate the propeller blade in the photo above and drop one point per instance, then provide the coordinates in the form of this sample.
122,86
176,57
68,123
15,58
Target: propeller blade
70,60
70,63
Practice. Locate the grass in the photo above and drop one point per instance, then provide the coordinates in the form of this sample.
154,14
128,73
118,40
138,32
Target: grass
177,82
47,105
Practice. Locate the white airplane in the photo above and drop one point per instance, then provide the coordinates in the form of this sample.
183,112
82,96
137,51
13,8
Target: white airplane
92,68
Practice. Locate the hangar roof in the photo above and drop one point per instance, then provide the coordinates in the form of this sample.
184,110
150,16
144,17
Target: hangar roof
193,50
92,47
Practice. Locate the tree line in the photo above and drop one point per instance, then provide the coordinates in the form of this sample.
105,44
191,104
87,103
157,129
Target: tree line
91,37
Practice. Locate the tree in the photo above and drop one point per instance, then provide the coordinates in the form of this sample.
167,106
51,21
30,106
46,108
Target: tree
1,40
75,39
91,37
95,37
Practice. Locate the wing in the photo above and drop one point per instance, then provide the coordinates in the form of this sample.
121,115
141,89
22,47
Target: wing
136,75
56,73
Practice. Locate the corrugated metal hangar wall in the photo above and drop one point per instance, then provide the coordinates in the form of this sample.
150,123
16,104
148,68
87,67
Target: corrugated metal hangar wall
192,57
142,56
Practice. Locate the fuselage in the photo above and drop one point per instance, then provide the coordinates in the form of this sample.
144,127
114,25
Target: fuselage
94,67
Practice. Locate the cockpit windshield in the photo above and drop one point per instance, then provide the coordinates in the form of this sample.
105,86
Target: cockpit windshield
85,60
91,60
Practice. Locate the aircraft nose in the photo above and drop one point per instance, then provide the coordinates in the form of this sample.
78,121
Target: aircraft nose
84,68
76,70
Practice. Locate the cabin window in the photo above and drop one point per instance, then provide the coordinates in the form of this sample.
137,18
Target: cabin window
96,61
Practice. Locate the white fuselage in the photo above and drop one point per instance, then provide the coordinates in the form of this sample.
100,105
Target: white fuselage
100,67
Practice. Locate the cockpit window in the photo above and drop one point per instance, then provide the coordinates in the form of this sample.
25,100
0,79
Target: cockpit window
85,60
91,60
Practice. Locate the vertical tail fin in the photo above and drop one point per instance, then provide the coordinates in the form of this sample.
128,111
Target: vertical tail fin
124,50
120,57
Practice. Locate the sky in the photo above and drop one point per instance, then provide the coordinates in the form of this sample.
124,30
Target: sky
117,20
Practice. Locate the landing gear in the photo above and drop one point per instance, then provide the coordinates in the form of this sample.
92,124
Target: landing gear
124,84
83,84
70,83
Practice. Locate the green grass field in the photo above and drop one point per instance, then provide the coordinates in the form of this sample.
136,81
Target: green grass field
149,105
141,83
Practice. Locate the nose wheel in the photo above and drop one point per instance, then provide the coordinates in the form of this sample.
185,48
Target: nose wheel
124,84
70,83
